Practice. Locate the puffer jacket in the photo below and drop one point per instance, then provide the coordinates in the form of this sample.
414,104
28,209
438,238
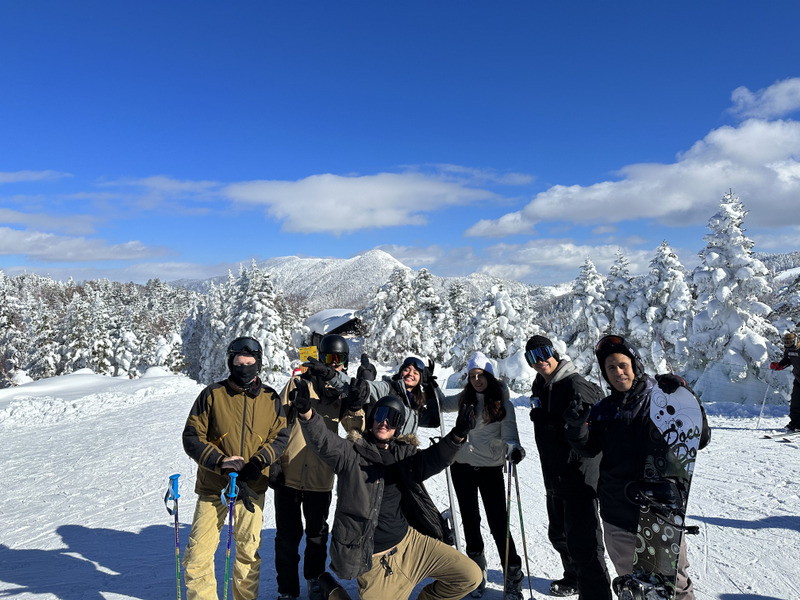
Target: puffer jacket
487,444
427,416
299,467
226,420
791,356
564,470
359,469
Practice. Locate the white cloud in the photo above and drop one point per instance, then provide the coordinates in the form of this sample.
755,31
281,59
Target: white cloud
778,100
26,176
37,245
758,160
337,204
72,224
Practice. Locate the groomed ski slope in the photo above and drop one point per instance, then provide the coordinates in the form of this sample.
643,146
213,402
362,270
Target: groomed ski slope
86,461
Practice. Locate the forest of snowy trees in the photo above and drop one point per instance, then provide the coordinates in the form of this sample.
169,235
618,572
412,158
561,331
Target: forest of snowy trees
724,317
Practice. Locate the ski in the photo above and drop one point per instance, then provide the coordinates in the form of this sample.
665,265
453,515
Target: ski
781,435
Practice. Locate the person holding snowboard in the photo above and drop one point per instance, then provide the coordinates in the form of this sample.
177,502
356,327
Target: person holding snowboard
386,530
235,425
303,483
570,480
478,468
620,427
791,358
415,385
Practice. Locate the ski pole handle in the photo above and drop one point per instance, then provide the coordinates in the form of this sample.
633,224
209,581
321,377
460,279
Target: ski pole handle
231,491
172,494
173,482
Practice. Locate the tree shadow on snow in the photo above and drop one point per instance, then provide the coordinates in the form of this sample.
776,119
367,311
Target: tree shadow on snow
140,565
747,597
791,522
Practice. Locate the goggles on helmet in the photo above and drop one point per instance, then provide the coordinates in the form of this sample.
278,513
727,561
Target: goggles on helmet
333,358
388,414
537,354
244,344
413,361
609,341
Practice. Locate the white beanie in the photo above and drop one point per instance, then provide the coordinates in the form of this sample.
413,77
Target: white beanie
480,361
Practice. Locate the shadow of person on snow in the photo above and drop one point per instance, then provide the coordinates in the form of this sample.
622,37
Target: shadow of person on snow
790,522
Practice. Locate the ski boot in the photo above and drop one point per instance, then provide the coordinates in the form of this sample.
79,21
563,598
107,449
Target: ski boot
563,587
514,583
332,589
479,560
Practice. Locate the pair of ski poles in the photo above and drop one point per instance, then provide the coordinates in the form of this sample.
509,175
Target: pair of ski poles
512,469
228,497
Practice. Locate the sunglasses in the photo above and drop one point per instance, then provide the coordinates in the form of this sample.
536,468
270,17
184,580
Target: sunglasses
413,361
388,414
333,358
538,354
244,344
609,341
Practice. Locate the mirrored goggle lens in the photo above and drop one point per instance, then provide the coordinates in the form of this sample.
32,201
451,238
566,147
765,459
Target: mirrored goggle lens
333,358
245,345
540,353
413,361
388,414
607,341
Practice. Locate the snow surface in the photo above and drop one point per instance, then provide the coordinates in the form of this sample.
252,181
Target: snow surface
87,460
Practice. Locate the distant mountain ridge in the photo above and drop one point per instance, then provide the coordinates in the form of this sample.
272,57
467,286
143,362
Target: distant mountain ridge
321,283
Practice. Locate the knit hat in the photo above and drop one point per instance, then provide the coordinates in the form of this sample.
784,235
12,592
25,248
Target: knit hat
480,361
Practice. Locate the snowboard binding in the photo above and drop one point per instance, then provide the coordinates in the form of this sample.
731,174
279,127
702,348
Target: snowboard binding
641,586
664,497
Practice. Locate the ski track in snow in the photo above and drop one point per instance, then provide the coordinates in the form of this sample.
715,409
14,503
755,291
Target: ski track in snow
87,460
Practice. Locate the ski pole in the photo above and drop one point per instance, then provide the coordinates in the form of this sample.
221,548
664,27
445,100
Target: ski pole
232,491
764,401
173,495
522,531
508,530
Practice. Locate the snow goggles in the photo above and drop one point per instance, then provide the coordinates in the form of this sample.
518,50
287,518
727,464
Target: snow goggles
609,341
413,361
244,344
333,358
388,414
537,354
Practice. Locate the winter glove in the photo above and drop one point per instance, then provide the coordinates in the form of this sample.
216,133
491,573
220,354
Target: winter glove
301,399
515,453
246,495
465,421
251,470
428,378
669,382
775,366
577,414
358,396
320,369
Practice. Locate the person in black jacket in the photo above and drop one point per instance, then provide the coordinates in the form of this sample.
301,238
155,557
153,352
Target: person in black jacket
366,370
791,358
570,480
386,530
620,427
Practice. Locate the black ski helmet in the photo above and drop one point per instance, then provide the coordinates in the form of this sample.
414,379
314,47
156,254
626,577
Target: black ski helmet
616,344
395,411
245,345
334,344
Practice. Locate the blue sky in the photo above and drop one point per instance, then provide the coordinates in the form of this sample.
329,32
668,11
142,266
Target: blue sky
178,139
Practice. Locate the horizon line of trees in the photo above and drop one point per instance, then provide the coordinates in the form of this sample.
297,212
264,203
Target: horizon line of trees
723,317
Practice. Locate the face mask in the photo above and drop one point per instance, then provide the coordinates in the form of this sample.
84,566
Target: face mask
244,374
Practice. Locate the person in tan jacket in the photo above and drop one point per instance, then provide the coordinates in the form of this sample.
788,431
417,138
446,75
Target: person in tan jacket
235,425
303,483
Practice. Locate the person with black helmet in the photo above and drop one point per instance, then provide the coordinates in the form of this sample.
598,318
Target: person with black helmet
415,384
570,481
791,358
386,530
620,427
303,483
235,425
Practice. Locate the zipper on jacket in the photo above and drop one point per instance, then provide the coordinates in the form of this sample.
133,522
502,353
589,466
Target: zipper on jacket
244,426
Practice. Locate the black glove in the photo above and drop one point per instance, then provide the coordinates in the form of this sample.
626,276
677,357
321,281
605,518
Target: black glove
428,378
251,471
515,454
577,413
301,398
320,369
465,422
358,396
246,495
669,382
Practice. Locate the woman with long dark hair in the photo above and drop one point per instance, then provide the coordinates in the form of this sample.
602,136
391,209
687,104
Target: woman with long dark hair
478,468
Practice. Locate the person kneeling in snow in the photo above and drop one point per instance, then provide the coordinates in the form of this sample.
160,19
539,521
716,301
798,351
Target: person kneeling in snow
386,530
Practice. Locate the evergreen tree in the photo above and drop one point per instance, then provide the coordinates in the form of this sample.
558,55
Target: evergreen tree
588,320
619,293
430,313
392,321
